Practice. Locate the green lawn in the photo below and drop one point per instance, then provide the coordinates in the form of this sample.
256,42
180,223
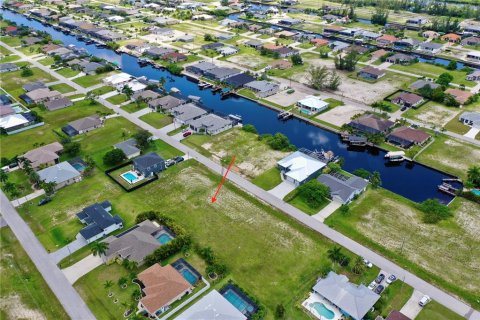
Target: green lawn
456,126
12,82
401,236
436,311
93,79
118,99
290,72
11,41
67,72
134,107
268,179
102,90
23,291
9,58
47,61
62,87
450,155
30,50
396,295
20,178
295,200
156,119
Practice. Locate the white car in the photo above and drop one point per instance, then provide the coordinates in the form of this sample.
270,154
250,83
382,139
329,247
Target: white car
372,285
391,279
423,302
367,263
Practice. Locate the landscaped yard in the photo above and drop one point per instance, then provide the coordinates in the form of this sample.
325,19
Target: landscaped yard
134,107
20,178
393,227
253,157
298,202
156,119
24,293
450,155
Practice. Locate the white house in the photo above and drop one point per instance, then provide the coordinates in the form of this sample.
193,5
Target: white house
311,105
118,80
299,167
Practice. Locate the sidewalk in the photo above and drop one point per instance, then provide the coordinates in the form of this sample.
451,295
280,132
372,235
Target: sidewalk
18,202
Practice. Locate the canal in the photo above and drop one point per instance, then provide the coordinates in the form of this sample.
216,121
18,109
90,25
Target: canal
411,180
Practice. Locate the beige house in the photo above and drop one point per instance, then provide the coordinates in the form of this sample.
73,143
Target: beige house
44,156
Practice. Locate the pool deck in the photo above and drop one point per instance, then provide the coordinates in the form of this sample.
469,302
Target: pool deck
314,297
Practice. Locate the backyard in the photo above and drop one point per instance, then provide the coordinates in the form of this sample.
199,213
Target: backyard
394,228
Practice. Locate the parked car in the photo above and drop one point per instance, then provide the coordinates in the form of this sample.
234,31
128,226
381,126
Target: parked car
391,278
367,263
380,278
423,302
403,109
44,201
178,159
372,285
187,133
169,162
379,289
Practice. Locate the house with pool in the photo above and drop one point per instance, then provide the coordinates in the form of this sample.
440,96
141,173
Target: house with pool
149,164
334,296
137,242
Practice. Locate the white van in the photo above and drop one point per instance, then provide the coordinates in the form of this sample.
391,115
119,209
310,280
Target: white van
425,299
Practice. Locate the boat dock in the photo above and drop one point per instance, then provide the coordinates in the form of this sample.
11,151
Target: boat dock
284,115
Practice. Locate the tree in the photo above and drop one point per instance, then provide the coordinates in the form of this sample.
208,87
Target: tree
127,91
375,180
444,79
280,311
334,167
380,16
107,285
279,142
209,37
72,148
348,62
473,176
296,60
450,101
358,266
3,176
335,254
314,193
136,294
362,173
452,65
334,81
224,3
122,282
114,157
34,178
49,187
99,248
143,139
317,76
434,211
26,72
344,208
174,68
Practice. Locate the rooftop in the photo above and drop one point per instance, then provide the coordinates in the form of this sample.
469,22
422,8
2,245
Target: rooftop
58,173
212,306
300,166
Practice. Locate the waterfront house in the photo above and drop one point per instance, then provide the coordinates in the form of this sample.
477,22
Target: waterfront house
145,95
373,124
117,80
210,124
371,73
298,167
161,287
200,67
386,39
344,189
285,34
430,34
311,105
430,47
400,58
44,156
451,37
319,42
157,52
221,73
174,57
407,99
474,76
187,112
369,35
407,43
473,55
471,41
61,174
473,29
129,148
406,137
99,221
165,103
239,80
263,88
461,96
149,164
471,119
83,125
352,300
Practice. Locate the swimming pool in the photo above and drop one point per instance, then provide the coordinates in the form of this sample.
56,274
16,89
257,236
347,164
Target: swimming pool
130,176
164,238
237,301
189,276
80,167
476,192
323,311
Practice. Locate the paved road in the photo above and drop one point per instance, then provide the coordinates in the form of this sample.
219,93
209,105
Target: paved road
414,281
66,294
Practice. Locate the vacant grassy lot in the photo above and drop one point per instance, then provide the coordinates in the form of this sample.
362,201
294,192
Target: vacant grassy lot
456,126
432,114
118,99
435,252
252,156
68,72
156,119
47,61
24,293
102,90
13,81
436,311
91,80
9,58
21,142
62,87
11,41
451,155
134,107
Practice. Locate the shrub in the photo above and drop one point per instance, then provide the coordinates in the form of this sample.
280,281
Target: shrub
114,157
249,128
279,142
434,211
313,193
362,173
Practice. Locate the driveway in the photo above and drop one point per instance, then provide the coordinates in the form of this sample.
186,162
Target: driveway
82,267
18,202
327,211
472,133
67,250
282,189
411,309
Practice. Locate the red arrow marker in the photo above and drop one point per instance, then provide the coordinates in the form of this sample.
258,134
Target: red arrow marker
214,198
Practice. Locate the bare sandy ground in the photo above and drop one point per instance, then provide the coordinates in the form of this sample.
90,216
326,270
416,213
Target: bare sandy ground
284,99
436,115
249,61
341,114
13,307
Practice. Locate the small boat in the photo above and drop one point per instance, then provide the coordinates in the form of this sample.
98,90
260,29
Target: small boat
395,156
175,90
284,115
448,189
194,98
236,117
143,61
216,89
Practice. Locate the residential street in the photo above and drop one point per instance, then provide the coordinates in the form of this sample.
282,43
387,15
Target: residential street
66,294
77,309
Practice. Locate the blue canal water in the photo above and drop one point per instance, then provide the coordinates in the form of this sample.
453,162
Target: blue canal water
411,180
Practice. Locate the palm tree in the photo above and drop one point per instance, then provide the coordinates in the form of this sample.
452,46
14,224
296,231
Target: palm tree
136,294
122,282
359,266
107,285
99,248
34,178
335,254
3,176
473,175
8,187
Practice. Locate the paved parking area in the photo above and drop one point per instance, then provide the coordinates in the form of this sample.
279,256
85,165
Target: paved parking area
282,189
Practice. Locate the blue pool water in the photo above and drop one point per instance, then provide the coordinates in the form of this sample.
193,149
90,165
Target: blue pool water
322,310
129,176
164,238
189,276
476,192
237,301
80,167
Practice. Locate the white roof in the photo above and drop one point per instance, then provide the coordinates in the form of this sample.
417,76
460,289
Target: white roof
136,85
300,166
213,306
12,121
313,102
118,78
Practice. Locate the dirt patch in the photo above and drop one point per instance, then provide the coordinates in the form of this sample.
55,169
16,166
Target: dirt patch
341,114
436,115
12,305
285,99
250,61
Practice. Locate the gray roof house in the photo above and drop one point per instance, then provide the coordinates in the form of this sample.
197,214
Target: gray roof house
187,112
83,125
343,190
430,47
7,67
134,244
201,67
422,83
400,58
34,86
353,300
221,73
474,76
90,67
149,164
129,148
471,119
61,103
212,306
210,124
61,174
165,103
146,95
99,221
263,88
256,44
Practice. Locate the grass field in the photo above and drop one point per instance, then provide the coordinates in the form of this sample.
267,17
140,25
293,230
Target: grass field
24,293
62,88
20,178
450,155
394,228
157,120
12,82
435,311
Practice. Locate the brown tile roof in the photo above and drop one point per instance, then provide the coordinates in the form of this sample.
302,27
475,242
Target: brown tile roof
44,154
271,46
374,122
410,98
162,285
410,134
379,53
397,315
451,37
319,42
388,38
372,70
460,95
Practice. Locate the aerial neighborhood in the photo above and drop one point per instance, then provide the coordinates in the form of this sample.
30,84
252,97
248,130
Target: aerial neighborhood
234,160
